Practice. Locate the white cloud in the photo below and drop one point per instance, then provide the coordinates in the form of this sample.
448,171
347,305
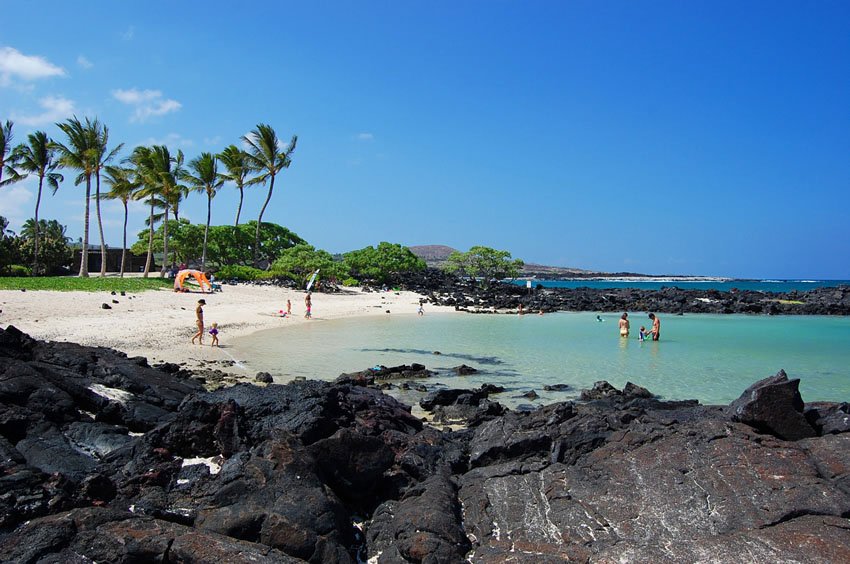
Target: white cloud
147,103
56,108
172,140
212,141
84,62
365,136
135,96
129,34
14,64
16,203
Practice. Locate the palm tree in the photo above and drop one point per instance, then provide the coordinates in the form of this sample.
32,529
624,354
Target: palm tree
123,183
7,155
203,177
81,153
160,173
39,158
101,157
264,154
238,165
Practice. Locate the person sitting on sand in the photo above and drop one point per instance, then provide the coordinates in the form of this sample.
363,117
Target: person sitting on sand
624,325
656,327
199,314
214,334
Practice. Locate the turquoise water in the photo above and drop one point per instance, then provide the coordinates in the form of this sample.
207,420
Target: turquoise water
723,286
712,358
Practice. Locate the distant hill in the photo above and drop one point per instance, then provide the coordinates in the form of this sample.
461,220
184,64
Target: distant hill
435,255
552,272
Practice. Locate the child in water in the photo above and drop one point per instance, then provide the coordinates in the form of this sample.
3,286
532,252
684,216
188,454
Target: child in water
642,335
214,334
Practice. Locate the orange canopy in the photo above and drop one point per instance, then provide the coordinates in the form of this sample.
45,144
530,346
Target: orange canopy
197,275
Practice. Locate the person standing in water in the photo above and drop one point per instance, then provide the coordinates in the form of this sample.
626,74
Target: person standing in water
624,325
656,327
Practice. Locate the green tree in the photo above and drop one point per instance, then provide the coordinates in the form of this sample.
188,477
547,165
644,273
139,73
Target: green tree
53,248
7,155
9,248
301,261
230,246
238,165
80,153
203,176
382,263
483,263
184,240
226,246
101,155
265,155
235,246
123,184
38,157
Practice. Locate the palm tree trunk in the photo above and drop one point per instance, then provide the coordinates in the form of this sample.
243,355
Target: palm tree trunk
260,221
239,209
124,249
84,257
206,232
150,244
100,225
164,242
35,270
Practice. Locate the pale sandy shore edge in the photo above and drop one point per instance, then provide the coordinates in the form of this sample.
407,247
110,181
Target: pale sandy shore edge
158,324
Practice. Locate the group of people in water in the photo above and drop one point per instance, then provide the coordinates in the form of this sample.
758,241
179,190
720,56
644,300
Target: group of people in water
654,332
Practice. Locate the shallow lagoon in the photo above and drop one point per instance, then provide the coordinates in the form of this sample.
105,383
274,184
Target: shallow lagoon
712,358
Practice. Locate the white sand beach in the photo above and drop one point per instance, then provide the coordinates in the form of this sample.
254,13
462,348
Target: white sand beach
158,324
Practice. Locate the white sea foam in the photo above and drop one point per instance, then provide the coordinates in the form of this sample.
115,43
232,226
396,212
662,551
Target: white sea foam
113,394
214,467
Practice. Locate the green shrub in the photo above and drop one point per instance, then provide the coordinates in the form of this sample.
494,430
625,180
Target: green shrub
348,282
19,270
241,273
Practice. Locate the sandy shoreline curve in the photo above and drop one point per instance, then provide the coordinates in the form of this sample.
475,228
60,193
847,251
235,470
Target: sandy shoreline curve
158,324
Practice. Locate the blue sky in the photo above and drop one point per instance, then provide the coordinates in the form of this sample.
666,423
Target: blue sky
658,137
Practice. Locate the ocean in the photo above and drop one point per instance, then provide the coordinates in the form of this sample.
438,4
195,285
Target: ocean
712,358
724,285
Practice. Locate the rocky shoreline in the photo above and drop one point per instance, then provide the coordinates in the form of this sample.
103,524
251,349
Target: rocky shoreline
107,459
464,295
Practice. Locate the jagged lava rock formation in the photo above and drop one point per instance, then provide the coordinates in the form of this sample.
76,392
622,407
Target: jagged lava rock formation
106,459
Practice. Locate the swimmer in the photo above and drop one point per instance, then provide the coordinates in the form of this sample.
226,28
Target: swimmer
656,327
624,325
